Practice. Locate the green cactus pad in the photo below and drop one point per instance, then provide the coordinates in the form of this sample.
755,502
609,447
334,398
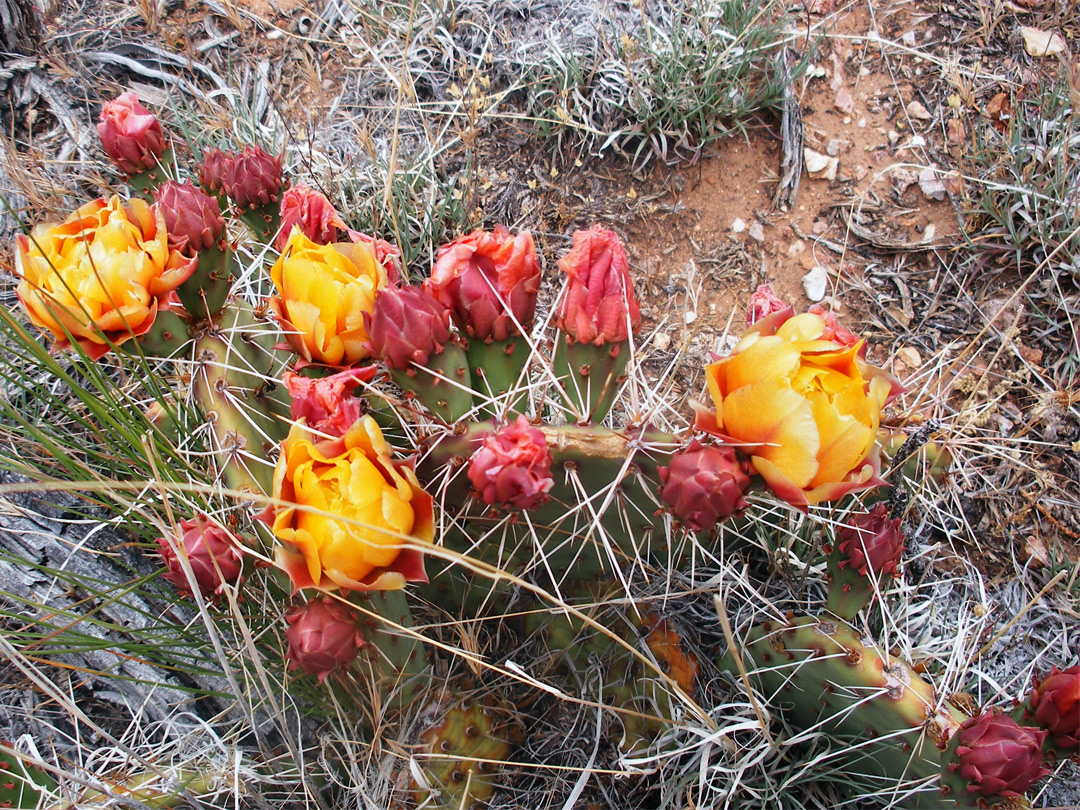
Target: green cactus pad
461,750
496,370
21,784
444,386
590,375
823,678
203,295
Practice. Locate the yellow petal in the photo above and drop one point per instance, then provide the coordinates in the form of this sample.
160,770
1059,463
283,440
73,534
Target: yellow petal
781,421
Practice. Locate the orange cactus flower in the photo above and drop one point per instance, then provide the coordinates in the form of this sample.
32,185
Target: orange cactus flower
358,515
324,292
805,409
101,275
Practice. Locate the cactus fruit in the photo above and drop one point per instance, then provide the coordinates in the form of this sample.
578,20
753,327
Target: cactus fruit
304,208
461,749
211,550
409,330
324,637
1054,705
864,557
703,485
994,758
133,139
825,679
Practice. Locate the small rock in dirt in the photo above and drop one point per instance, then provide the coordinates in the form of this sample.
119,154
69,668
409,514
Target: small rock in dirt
894,137
861,172
757,233
689,316
861,124
815,283
909,356
844,102
833,148
1042,43
929,233
817,72
914,142
795,248
1032,354
738,226
909,39
903,178
661,341
819,227
931,185
919,112
954,182
820,166
1034,553
955,131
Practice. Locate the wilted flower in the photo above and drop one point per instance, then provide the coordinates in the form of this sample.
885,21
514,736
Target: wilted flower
407,325
598,304
513,467
805,410
192,219
253,177
489,281
327,404
1055,705
997,756
212,169
764,302
358,515
324,636
871,542
213,552
131,134
101,275
325,291
704,484
312,213
834,331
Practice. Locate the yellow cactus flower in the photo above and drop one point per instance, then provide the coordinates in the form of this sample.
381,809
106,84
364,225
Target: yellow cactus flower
100,276
324,291
805,408
358,514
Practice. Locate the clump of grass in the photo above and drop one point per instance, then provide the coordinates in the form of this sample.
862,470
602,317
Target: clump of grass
1029,196
666,85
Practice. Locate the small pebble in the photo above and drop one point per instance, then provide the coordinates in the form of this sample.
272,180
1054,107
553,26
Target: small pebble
738,226
757,233
815,283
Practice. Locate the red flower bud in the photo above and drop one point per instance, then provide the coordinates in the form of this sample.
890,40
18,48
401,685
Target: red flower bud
765,302
871,542
192,219
997,756
1055,705
214,554
598,305
513,467
212,169
834,331
324,636
704,485
489,282
312,213
328,403
253,178
131,135
407,325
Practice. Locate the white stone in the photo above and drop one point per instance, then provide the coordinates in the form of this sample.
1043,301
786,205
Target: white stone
757,233
815,283
1042,43
919,112
931,185
689,316
738,226
661,340
819,165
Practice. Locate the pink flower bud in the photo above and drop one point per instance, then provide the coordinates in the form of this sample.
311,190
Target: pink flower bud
834,331
131,135
407,325
253,178
324,636
1055,705
192,219
997,756
704,484
765,302
598,305
513,467
489,282
214,554
212,169
871,542
328,403
312,213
